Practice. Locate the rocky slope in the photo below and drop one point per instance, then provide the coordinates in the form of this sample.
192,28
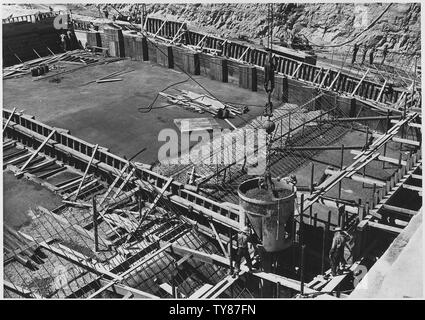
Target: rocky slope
322,24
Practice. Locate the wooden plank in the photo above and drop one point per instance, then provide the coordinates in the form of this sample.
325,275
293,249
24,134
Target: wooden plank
17,160
220,287
8,119
86,171
209,258
167,288
100,290
381,91
111,187
123,289
201,291
384,227
183,259
365,163
84,263
157,198
407,141
359,178
382,158
337,280
72,183
413,125
41,166
117,192
243,54
399,210
20,291
324,78
297,69
196,124
37,151
360,82
335,80
144,260
283,281
317,75
410,187
160,28
177,33
9,144
223,249
84,187
199,43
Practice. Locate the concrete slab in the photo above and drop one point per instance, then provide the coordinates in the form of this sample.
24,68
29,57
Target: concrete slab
399,271
108,113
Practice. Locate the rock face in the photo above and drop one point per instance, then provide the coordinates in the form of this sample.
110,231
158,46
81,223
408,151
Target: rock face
322,24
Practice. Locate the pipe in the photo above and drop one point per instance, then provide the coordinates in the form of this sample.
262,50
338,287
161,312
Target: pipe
302,269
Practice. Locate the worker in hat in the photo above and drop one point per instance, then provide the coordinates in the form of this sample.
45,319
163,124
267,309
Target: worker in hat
244,237
355,50
336,253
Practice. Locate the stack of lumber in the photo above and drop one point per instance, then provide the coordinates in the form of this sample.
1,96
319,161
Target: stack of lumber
196,124
202,103
78,56
108,78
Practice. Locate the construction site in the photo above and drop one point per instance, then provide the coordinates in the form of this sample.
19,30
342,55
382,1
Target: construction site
325,204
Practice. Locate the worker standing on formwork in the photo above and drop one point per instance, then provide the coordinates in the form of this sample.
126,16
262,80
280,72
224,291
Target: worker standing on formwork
336,254
384,53
371,55
244,237
364,54
368,143
105,11
355,50
63,42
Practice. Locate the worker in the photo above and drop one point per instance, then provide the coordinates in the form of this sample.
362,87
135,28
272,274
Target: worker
364,54
368,143
72,40
322,179
336,253
105,11
355,50
384,53
63,42
389,90
244,237
67,41
291,40
371,55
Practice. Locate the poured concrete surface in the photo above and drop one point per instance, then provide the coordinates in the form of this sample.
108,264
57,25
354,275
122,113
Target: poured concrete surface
107,113
399,272
20,196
